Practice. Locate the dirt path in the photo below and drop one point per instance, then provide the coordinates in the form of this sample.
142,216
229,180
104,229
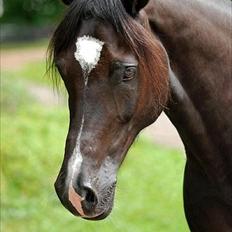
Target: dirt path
164,133
15,59
161,132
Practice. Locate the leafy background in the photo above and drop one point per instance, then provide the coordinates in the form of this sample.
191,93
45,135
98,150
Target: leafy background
32,12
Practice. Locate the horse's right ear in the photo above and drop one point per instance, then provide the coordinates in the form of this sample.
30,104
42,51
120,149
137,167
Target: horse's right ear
134,6
67,2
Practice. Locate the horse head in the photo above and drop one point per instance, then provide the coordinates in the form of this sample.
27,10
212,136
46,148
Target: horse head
116,75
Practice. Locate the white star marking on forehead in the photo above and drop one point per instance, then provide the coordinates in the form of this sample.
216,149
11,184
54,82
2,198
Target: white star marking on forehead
88,52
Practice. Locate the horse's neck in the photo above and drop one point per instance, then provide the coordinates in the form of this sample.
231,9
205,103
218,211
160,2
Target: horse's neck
197,37
186,27
175,18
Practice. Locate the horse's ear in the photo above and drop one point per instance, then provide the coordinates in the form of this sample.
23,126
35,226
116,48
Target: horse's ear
67,2
134,6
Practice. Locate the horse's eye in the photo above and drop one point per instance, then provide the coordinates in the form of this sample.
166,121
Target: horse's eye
129,73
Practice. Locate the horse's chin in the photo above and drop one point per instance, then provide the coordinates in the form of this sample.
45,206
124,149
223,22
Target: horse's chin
96,217
99,217
104,212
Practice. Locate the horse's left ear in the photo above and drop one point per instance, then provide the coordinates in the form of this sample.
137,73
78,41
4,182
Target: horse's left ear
134,6
67,2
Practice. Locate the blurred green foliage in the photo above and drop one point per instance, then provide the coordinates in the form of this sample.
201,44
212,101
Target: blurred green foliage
149,191
34,12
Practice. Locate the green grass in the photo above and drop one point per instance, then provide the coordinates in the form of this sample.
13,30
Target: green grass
24,45
149,191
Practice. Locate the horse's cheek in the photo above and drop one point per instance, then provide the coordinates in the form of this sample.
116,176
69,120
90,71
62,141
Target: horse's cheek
125,101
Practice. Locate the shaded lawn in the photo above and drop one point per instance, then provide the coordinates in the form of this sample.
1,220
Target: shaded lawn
42,43
149,191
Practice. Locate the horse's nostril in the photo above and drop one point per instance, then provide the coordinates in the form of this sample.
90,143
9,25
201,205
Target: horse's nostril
90,199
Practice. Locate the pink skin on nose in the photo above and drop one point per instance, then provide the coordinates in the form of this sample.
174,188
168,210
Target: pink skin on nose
76,200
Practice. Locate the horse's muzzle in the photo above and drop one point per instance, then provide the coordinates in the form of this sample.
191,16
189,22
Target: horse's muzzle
86,201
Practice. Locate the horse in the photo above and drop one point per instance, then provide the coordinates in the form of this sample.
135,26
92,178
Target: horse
123,62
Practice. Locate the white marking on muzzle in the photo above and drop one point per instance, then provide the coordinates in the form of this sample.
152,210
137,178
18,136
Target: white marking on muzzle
88,53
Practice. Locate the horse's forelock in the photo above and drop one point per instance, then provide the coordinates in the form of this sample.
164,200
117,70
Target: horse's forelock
139,39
